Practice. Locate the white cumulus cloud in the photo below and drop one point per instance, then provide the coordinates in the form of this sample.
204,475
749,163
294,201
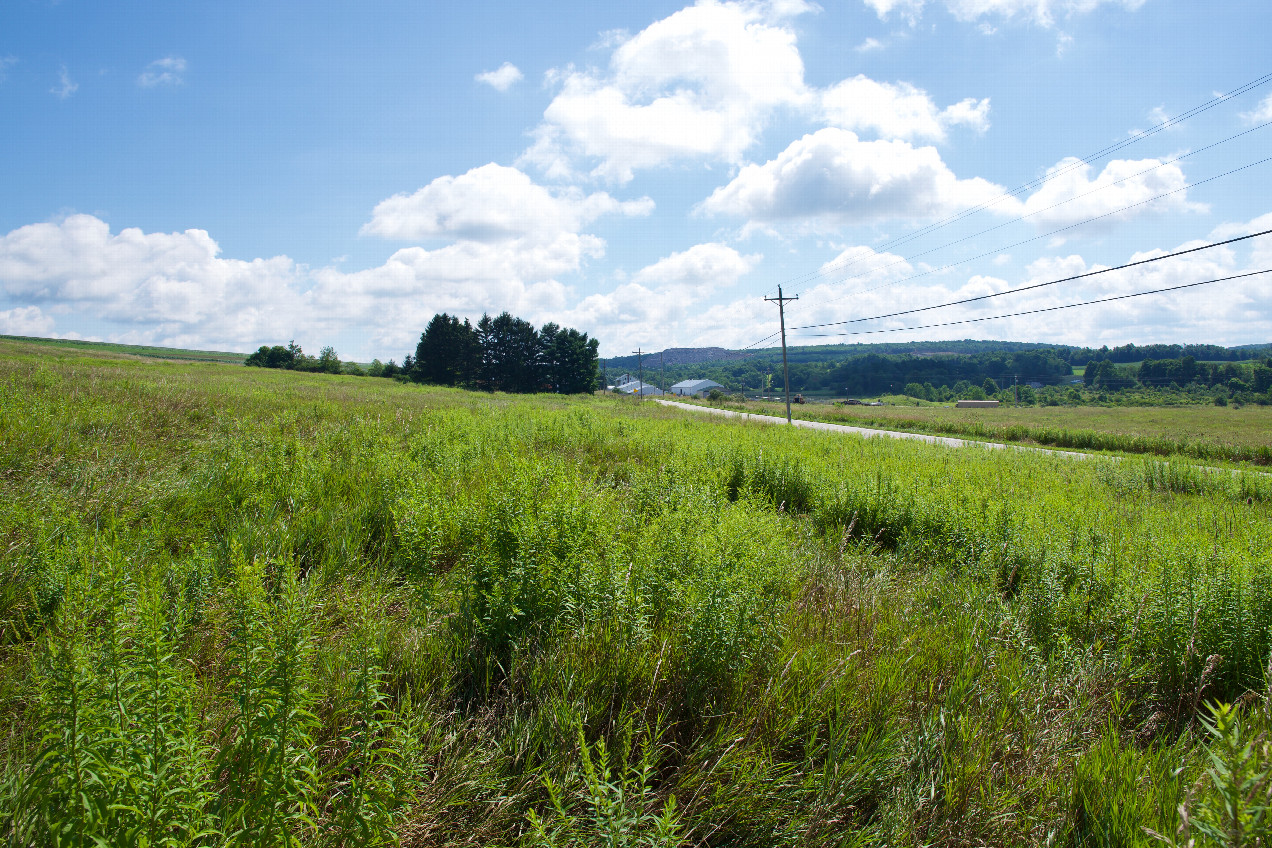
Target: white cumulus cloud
831,177
25,321
502,78
492,203
1041,12
897,110
1259,114
173,284
1123,190
700,83
661,301
698,271
169,70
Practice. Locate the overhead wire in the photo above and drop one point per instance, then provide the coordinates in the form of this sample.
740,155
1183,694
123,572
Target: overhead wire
1043,309
1081,276
1051,175
1033,239
1085,221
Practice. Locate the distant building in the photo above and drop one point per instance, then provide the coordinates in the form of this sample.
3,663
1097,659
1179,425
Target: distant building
1034,384
695,388
634,387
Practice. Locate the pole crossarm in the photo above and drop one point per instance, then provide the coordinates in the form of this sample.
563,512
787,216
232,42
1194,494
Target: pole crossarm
786,371
640,370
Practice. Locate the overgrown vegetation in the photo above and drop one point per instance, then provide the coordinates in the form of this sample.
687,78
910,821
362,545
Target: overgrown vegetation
1206,433
246,607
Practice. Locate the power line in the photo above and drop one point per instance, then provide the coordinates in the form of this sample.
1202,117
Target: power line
1160,165
1044,309
1077,163
1037,285
1028,240
1249,86
1013,245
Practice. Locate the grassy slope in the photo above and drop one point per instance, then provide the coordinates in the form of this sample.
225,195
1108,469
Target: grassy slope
1202,432
97,348
261,603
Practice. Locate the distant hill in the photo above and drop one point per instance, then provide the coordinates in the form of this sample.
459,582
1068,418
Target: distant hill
150,351
678,356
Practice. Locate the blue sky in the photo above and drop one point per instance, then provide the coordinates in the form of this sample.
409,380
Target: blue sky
228,175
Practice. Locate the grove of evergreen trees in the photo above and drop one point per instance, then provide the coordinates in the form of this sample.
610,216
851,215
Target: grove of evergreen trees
504,354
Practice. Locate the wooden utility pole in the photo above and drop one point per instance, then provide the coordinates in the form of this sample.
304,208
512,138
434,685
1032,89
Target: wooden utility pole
786,371
640,370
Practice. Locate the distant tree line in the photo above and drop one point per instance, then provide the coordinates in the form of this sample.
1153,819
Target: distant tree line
503,354
1130,353
1180,373
864,374
292,358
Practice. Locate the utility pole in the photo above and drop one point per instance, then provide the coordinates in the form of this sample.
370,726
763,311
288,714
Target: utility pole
1015,386
640,370
786,371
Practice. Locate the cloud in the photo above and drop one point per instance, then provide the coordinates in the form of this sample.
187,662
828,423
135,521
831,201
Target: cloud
698,84
6,62
1040,12
1259,114
698,271
171,285
897,110
1225,313
492,203
869,46
662,301
65,87
25,321
501,79
1070,195
508,243
864,266
831,178
165,71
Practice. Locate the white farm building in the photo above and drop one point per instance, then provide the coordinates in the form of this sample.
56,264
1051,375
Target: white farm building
628,384
695,388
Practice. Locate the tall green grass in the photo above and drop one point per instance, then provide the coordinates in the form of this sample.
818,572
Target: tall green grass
250,608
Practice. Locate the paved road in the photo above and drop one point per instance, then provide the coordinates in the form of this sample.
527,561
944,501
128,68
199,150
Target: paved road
867,432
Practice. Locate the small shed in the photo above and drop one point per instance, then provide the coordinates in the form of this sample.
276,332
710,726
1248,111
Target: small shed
976,404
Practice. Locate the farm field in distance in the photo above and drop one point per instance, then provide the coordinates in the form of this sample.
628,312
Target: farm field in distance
1206,432
100,348
249,606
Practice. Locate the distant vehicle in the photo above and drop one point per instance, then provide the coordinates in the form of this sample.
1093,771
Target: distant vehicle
798,399
853,402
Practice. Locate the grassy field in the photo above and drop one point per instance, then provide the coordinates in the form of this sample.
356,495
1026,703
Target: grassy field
1210,433
250,607
132,350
